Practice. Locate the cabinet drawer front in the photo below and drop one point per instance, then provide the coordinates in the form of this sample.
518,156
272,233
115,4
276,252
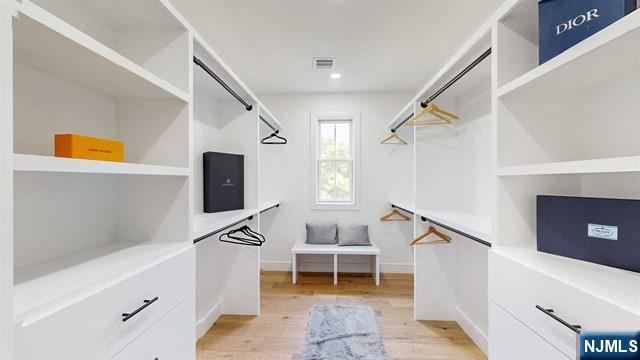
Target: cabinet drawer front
93,328
519,289
173,337
511,339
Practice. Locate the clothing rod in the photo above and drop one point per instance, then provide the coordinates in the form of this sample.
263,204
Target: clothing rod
199,62
402,122
222,229
403,209
456,78
269,208
250,217
474,238
267,123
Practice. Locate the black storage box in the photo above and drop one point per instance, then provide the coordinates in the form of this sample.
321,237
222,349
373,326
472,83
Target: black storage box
564,23
223,182
602,231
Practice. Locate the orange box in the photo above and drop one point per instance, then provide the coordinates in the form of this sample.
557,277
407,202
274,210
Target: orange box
86,147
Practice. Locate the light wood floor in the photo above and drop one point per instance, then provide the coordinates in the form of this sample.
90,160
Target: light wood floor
278,333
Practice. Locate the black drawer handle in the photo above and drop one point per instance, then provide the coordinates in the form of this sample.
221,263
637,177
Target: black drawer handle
575,328
127,316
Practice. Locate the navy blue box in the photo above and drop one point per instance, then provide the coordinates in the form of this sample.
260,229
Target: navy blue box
223,182
564,23
602,231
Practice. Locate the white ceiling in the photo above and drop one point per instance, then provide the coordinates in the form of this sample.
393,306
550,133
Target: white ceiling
380,45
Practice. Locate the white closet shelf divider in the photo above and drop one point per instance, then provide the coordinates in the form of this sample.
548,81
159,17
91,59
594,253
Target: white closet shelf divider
608,165
47,287
616,286
45,42
475,225
24,162
592,60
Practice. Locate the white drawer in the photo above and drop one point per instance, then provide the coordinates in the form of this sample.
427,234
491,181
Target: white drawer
171,338
519,288
93,328
510,339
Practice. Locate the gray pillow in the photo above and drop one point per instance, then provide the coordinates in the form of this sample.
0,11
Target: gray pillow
353,235
322,233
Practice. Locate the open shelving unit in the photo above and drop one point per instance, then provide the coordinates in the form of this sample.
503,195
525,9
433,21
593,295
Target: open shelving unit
120,70
574,123
454,186
146,36
81,226
224,122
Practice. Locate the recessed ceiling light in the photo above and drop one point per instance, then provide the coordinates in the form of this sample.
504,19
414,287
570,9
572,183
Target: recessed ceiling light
335,76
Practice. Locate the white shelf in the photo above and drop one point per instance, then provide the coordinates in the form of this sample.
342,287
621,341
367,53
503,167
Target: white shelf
610,165
50,45
204,224
616,286
585,64
474,225
47,287
23,162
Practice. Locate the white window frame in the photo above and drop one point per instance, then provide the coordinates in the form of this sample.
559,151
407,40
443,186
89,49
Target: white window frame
314,142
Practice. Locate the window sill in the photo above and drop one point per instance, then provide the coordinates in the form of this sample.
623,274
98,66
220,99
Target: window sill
346,207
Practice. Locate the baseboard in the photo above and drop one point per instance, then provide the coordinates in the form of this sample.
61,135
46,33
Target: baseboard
275,265
476,334
203,325
400,268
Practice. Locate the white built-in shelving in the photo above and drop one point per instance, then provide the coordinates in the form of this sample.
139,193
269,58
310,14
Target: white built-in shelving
615,286
118,70
39,163
609,165
454,184
565,127
52,46
49,286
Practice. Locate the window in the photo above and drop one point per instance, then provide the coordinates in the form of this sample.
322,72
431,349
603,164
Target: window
335,160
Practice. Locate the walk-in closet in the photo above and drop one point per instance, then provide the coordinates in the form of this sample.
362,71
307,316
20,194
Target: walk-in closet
411,179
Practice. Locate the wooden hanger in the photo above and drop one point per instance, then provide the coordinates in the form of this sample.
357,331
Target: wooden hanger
440,116
390,216
444,239
400,141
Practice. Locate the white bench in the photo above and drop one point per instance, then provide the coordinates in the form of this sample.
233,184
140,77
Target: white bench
302,248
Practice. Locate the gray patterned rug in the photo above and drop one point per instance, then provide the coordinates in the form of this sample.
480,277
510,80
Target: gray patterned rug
337,332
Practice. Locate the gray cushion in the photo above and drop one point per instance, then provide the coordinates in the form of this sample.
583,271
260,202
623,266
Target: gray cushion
353,235
322,233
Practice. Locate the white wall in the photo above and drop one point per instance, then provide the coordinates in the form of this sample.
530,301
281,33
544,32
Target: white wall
386,174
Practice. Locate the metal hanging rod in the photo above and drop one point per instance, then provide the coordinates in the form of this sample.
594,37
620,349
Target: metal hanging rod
199,62
456,78
474,238
402,122
446,86
267,123
217,231
403,209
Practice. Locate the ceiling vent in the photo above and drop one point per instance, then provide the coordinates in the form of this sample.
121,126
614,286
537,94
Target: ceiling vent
324,63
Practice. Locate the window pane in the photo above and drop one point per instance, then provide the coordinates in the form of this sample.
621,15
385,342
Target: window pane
343,181
327,140
335,181
327,180
343,141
